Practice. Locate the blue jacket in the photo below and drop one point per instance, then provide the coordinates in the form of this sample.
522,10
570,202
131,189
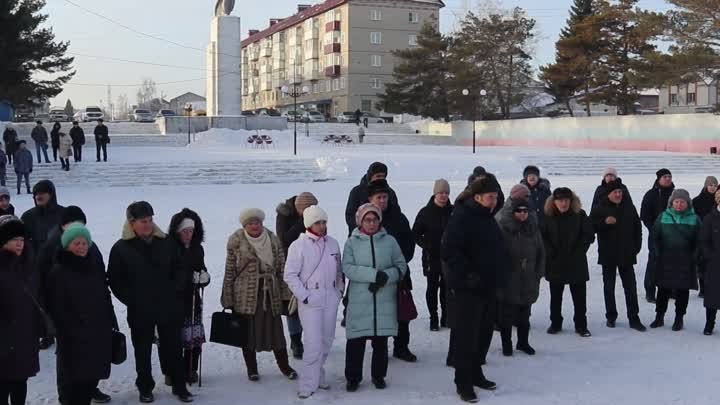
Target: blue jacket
23,161
364,256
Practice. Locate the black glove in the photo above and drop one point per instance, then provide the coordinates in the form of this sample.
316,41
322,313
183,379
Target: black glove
305,301
381,278
373,287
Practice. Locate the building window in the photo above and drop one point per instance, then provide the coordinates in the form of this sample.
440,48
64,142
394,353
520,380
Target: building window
376,60
375,83
336,84
375,14
315,88
413,17
692,98
365,105
412,39
342,83
328,85
674,99
376,38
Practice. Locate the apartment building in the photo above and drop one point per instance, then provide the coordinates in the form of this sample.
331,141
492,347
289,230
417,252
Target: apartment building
700,96
339,50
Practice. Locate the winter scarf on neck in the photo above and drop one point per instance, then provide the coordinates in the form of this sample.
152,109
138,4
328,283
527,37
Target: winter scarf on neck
263,247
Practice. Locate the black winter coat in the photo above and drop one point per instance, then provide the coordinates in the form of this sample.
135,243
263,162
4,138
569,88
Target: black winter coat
193,261
81,307
397,225
704,203
710,247
288,223
538,195
429,227
654,203
474,251
40,221
148,277
602,192
359,196
10,137
101,135
9,211
78,136
567,238
620,243
39,135
55,136
20,321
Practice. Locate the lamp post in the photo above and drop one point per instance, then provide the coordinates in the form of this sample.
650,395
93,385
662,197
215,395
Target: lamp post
466,92
188,111
294,92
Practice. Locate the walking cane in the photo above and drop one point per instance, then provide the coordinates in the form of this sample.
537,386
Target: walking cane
202,299
192,331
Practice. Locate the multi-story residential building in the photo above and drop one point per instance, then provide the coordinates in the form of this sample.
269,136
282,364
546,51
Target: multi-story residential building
699,96
340,50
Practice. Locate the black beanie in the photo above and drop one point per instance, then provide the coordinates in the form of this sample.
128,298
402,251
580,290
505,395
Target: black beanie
519,203
531,170
375,168
139,210
378,186
662,172
71,214
613,185
562,193
10,228
484,185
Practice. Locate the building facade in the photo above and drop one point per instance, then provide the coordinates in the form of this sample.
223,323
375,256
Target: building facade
340,51
694,97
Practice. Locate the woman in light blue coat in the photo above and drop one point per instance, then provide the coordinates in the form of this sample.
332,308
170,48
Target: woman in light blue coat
373,263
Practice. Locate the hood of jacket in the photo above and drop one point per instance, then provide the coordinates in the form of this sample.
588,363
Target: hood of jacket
53,192
198,234
552,211
507,222
358,234
129,234
542,183
287,208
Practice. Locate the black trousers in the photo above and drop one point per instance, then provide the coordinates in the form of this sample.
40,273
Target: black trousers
627,276
355,354
579,298
682,296
171,354
55,153
402,340
81,392
191,360
710,315
65,163
64,387
472,332
510,315
77,152
13,392
435,286
10,157
103,147
649,280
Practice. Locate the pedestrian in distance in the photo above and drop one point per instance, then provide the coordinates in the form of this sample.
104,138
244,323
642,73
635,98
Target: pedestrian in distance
3,167
619,235
102,139
254,288
55,139
704,204
654,203
361,134
539,191
23,165
40,136
676,240
78,140
313,272
609,175
5,207
710,254
65,150
567,234
373,264
10,138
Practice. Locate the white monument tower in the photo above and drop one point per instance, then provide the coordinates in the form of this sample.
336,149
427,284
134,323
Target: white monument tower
224,81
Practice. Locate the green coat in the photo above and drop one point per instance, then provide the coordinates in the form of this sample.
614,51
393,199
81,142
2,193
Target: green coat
371,314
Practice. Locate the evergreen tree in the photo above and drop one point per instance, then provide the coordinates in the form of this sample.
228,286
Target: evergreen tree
33,66
69,109
420,76
695,23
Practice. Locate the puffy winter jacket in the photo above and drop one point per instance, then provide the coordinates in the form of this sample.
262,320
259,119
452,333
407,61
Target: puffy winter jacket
41,221
710,245
675,238
537,197
23,162
429,227
313,268
619,243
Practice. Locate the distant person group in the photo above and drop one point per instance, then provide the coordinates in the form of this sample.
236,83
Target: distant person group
483,255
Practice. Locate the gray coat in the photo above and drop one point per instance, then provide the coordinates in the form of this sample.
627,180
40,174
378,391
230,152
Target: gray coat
23,161
527,257
39,135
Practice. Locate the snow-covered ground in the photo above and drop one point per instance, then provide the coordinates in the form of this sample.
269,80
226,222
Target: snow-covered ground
615,366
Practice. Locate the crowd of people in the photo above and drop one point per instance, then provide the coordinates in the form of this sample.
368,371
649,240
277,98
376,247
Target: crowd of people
64,145
484,258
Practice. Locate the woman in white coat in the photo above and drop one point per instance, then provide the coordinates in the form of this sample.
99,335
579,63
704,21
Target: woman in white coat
313,272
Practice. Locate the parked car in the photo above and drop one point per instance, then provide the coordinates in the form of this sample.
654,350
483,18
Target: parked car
374,118
247,113
58,114
268,112
140,115
314,116
90,113
345,117
24,114
293,116
166,113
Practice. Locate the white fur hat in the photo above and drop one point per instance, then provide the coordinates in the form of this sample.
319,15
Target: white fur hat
251,213
313,214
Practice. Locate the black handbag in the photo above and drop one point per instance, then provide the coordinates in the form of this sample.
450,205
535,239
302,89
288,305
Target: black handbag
229,329
119,344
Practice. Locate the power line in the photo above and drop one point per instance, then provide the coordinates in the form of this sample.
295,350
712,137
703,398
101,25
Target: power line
142,62
137,84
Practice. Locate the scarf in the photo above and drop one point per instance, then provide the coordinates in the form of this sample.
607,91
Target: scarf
263,248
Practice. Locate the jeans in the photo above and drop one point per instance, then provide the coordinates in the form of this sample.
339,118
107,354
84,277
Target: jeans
682,296
355,353
103,147
77,152
579,298
475,316
169,340
41,147
15,391
20,176
627,276
435,286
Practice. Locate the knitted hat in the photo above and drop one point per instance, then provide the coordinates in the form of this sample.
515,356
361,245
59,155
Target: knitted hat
709,180
139,210
10,228
74,231
441,186
483,186
519,203
71,214
249,214
609,170
364,210
378,186
531,170
680,194
613,185
312,215
375,168
304,200
519,192
662,172
4,192
562,193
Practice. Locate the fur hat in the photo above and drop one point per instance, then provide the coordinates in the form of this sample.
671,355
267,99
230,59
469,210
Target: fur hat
364,210
375,168
139,210
562,193
71,214
531,170
4,192
74,231
249,214
711,180
680,194
662,172
441,186
483,186
609,170
477,172
304,200
519,192
519,203
11,227
378,186
312,215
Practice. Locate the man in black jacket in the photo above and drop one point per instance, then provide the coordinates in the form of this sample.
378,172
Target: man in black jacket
619,236
654,203
102,139
78,140
609,175
477,263
359,194
146,274
539,191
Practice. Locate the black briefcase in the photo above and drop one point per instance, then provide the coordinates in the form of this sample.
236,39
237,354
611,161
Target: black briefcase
119,348
229,329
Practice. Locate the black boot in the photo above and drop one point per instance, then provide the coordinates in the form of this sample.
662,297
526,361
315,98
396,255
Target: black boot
281,357
467,394
659,321
443,320
678,324
506,337
637,325
554,328
296,345
709,326
251,365
434,323
100,397
45,343
650,297
523,332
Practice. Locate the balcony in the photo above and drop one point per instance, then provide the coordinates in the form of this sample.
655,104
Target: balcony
332,26
314,75
311,34
266,52
266,69
254,72
313,52
254,54
332,71
332,48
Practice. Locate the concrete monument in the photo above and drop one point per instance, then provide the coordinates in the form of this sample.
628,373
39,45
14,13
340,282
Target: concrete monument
224,82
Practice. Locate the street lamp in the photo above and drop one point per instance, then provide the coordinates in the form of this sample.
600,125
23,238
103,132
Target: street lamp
294,92
483,93
188,111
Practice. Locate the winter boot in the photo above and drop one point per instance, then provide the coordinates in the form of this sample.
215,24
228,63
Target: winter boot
709,326
296,345
678,324
637,325
554,328
379,383
434,323
405,354
650,297
281,357
523,332
443,320
583,331
251,364
467,394
506,336
659,321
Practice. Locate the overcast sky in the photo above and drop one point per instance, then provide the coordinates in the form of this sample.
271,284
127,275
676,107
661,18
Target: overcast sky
187,22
